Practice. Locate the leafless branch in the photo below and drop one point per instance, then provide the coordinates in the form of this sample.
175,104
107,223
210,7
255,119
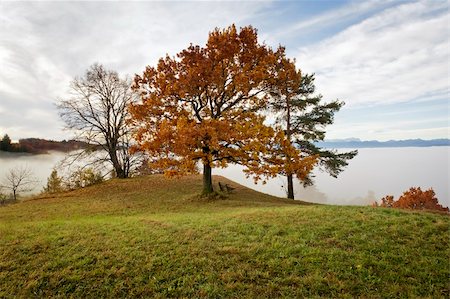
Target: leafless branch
19,179
97,112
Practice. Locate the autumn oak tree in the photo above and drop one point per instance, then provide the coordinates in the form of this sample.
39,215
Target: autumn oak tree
204,105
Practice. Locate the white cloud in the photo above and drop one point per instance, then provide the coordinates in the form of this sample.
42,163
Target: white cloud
44,45
396,55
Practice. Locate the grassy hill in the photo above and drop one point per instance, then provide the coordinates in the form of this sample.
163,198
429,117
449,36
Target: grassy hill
152,237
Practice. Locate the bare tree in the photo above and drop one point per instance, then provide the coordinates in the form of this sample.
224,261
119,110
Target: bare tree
97,114
20,179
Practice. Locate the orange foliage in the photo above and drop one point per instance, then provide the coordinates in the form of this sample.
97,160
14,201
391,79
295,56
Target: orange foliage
387,201
203,105
415,199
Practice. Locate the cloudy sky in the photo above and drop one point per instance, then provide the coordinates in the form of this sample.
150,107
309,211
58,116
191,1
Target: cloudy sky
388,60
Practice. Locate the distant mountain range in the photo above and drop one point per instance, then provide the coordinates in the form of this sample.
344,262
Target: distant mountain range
357,143
38,146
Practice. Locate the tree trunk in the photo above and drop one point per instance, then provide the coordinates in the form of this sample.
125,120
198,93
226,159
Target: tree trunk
120,173
290,193
290,186
207,179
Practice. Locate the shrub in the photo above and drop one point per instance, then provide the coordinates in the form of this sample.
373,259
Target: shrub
415,199
82,178
387,201
3,198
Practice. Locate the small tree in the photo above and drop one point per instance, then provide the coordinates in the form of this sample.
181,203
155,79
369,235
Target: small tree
54,183
20,179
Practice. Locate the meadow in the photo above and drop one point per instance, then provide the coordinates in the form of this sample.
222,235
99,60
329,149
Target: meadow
155,237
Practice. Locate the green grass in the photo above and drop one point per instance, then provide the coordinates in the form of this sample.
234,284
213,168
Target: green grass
152,237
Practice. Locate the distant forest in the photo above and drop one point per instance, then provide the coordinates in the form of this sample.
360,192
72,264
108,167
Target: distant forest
38,146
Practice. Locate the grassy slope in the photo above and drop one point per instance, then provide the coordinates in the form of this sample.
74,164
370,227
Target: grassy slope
150,237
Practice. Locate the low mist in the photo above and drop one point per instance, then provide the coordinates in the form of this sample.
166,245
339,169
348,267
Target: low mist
372,174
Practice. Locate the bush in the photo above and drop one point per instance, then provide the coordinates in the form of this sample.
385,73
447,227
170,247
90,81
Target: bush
415,199
6,199
82,178
387,201
3,198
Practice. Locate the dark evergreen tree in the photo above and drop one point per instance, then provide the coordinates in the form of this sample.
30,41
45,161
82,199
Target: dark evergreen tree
303,116
5,144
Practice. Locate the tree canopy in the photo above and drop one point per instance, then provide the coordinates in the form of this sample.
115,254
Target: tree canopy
5,143
303,116
97,114
205,105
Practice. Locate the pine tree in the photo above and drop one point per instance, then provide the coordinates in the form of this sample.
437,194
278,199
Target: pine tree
303,117
54,183
5,144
